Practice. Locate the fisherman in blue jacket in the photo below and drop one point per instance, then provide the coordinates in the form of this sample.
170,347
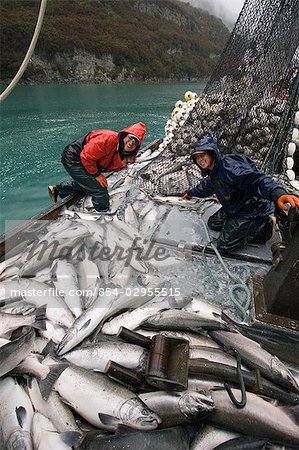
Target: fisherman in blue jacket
246,194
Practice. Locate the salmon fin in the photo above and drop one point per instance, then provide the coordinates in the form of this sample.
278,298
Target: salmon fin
70,404
21,414
199,330
49,349
29,382
71,438
110,421
231,322
47,384
40,318
85,325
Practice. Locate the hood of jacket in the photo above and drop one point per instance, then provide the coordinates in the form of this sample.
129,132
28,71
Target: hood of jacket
207,144
139,130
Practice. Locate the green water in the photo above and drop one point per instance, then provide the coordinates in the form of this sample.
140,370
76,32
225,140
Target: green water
37,122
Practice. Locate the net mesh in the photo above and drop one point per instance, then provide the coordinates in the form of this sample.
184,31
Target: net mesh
247,103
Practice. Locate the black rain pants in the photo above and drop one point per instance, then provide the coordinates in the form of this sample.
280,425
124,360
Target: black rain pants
236,233
82,181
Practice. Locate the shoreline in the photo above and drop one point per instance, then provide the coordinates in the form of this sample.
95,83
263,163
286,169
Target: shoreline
6,82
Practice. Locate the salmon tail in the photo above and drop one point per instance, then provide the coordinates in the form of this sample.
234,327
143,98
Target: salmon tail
40,318
46,385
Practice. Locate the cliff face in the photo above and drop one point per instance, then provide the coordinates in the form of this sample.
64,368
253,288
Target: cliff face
110,40
163,11
78,66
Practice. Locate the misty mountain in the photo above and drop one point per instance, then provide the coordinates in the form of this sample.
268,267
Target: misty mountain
226,11
110,41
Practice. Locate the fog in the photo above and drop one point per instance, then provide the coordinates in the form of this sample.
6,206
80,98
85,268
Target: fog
228,11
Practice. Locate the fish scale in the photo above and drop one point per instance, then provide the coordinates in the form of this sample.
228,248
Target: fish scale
263,418
256,357
103,402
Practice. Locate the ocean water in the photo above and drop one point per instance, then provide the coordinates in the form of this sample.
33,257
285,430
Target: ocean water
37,122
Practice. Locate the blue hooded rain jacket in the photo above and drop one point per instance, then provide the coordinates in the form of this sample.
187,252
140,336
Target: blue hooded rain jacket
243,191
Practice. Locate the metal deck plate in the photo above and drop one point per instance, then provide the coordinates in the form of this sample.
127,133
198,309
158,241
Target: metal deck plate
182,225
261,317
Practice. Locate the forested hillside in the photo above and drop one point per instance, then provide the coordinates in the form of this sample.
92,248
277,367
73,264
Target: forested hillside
110,40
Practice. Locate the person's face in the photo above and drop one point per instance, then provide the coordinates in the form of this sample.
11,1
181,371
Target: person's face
129,146
205,160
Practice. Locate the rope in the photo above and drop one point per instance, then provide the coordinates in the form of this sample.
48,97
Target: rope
207,269
29,53
240,285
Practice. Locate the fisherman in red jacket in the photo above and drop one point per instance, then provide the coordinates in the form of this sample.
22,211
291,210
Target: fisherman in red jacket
89,156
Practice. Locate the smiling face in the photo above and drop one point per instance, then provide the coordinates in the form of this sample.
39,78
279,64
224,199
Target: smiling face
129,145
205,160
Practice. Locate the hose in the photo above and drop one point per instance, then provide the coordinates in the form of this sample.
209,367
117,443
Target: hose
239,285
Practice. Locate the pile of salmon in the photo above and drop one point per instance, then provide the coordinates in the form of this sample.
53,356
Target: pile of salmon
64,298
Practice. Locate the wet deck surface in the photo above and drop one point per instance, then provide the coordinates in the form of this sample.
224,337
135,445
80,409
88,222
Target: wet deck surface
181,225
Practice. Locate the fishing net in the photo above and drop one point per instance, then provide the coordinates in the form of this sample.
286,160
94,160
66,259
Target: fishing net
247,104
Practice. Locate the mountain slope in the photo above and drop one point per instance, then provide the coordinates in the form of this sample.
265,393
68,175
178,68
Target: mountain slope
110,40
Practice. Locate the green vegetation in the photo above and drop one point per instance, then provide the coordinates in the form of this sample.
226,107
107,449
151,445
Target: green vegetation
162,39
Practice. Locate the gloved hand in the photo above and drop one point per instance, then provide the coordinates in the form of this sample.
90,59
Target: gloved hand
291,199
102,180
186,196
